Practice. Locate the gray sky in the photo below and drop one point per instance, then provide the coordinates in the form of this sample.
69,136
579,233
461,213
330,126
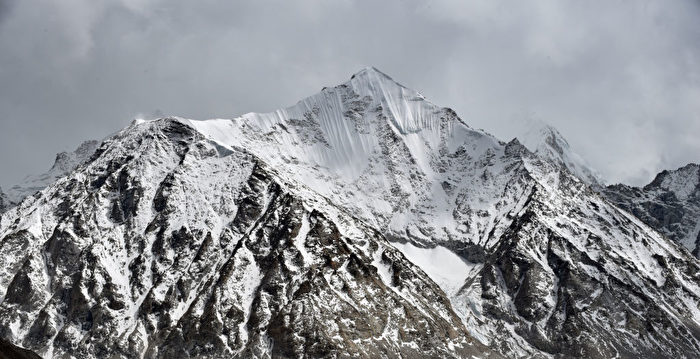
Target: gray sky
619,79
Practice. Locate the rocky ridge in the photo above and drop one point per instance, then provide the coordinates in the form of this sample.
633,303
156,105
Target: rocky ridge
670,204
547,143
4,201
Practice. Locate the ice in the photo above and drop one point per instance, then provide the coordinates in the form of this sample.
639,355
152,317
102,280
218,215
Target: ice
443,266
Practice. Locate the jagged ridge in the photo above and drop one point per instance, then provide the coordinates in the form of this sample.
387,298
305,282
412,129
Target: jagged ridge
669,204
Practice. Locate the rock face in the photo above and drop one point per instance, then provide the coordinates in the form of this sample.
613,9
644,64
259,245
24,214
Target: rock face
574,276
266,236
4,201
670,204
11,351
64,163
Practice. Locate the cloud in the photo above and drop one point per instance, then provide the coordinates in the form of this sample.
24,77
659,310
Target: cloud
620,79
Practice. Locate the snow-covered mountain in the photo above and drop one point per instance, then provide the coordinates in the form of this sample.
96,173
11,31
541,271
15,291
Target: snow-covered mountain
546,142
64,163
165,236
362,220
670,204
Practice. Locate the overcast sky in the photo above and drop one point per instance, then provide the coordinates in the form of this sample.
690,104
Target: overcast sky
619,79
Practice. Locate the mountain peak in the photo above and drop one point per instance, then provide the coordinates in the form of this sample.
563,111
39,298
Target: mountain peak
369,70
380,85
670,204
344,127
371,73
541,134
64,163
548,143
683,182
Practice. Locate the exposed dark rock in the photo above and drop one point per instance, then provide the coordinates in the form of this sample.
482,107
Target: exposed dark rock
11,351
670,204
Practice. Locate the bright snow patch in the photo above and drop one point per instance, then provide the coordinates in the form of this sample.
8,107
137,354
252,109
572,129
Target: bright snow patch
443,266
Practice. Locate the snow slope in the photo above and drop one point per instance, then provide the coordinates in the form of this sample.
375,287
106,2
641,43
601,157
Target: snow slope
387,155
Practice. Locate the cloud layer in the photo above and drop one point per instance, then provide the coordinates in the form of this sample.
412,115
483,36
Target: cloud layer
620,79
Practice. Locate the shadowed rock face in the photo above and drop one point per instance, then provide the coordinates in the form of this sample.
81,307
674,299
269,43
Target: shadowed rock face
166,245
4,201
11,351
670,204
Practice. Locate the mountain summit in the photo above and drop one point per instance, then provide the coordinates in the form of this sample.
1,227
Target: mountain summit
361,221
546,142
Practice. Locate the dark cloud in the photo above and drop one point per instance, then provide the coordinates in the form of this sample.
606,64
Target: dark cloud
620,79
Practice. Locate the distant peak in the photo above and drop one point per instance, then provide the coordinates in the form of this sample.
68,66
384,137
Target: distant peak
66,161
548,143
689,167
684,182
550,133
686,176
541,133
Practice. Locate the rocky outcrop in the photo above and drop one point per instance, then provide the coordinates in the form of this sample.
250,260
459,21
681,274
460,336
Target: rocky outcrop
4,202
11,351
670,204
570,288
